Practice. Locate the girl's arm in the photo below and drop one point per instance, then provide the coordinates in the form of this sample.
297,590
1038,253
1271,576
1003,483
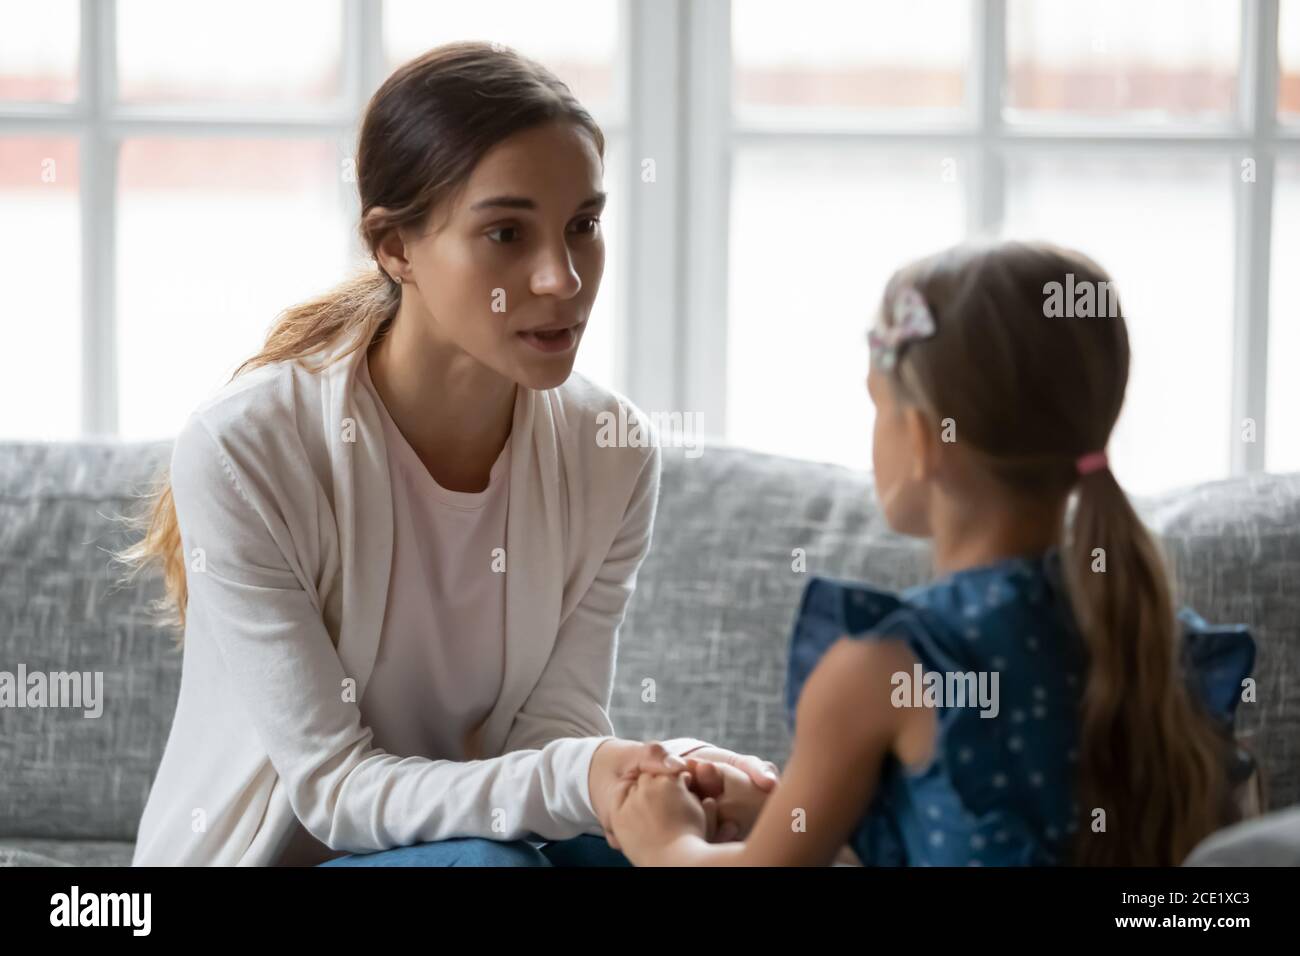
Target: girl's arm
845,725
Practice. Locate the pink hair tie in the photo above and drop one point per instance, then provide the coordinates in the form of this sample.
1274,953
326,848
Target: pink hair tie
1093,461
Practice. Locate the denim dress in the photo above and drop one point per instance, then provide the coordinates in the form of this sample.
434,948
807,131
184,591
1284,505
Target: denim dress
1000,789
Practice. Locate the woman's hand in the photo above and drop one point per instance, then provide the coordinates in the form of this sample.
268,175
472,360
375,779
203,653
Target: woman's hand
740,782
616,759
762,772
651,812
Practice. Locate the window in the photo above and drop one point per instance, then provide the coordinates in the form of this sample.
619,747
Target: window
210,191
1284,325
214,235
768,165
862,135
40,196
1159,61
180,53
1162,227
38,54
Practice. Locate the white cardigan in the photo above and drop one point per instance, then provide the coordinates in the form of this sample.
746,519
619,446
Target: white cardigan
283,498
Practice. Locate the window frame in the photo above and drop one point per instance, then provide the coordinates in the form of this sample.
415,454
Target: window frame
673,105
988,140
100,124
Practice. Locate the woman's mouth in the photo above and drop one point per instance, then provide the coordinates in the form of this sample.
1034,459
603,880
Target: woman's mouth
559,340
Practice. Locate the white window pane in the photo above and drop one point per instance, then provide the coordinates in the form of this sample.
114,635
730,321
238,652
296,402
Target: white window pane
1283,448
215,237
1288,53
1154,61
597,355
38,50
829,56
40,273
1163,228
814,235
575,39
237,51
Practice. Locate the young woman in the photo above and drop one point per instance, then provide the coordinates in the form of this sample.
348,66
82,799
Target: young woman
399,555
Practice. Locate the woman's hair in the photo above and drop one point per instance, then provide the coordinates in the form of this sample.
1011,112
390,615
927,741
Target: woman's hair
423,132
1033,374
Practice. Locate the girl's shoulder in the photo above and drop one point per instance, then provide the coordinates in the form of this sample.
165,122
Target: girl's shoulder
976,619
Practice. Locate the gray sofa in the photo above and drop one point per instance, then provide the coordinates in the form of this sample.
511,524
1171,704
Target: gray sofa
709,622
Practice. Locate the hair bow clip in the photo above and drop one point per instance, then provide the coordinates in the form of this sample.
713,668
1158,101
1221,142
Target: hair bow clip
911,320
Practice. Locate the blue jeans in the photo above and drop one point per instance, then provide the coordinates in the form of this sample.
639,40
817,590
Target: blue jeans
585,850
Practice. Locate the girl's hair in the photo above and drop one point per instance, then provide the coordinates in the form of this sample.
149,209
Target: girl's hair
423,132
1031,391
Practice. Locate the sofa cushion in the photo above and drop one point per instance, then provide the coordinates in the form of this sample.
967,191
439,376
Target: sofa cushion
66,775
27,852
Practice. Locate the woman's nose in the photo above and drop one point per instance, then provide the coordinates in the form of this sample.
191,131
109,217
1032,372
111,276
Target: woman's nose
555,275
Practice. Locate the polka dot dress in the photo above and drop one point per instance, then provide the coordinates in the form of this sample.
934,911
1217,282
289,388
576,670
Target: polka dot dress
1000,789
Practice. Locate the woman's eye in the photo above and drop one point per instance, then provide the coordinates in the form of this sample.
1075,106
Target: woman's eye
587,225
503,234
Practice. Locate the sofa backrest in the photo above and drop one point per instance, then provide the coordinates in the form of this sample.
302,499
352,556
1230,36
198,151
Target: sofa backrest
63,774
711,617
702,652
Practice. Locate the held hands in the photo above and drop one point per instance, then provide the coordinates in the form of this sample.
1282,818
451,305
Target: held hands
654,813
715,794
737,796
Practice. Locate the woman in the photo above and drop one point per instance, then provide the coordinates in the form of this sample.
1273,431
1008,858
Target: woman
399,554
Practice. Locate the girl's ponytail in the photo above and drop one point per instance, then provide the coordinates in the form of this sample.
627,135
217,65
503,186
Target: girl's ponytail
1031,387
1152,772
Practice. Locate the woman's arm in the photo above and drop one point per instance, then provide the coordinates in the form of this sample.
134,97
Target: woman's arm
845,725
249,597
572,695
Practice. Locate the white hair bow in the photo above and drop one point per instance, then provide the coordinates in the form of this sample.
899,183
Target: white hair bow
911,320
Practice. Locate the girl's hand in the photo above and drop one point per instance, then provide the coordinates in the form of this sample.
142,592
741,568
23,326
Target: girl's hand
652,811
739,799
613,760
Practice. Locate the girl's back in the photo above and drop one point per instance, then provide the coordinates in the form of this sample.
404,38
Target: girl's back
1001,663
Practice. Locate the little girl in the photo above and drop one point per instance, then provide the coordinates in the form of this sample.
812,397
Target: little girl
1094,748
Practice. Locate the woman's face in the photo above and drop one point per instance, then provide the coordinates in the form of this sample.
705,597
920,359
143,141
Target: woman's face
898,458
509,269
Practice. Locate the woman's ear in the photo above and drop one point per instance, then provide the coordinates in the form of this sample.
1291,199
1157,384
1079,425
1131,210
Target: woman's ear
390,251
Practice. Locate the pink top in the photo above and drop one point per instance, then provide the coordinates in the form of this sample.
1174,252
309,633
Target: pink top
441,659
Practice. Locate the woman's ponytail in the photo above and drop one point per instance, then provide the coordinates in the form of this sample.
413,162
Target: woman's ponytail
357,310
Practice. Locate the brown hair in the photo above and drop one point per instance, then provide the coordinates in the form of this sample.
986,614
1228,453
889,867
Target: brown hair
423,132
1032,391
